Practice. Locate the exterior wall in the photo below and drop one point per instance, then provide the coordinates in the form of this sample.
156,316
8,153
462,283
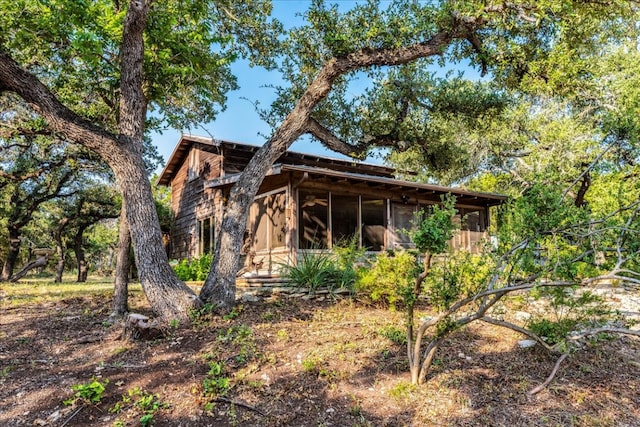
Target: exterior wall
190,202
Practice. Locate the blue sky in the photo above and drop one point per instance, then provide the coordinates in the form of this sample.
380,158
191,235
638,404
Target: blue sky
240,122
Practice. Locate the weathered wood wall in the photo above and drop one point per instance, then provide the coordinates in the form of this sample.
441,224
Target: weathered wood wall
190,202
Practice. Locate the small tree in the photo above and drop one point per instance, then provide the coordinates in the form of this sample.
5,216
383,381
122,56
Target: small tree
431,235
548,248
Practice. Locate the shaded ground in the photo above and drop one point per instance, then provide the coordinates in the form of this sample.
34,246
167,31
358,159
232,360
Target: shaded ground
283,362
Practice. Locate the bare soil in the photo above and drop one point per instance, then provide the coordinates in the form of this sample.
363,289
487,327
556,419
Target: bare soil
291,362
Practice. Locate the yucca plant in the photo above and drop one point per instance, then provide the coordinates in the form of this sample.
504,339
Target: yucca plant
311,271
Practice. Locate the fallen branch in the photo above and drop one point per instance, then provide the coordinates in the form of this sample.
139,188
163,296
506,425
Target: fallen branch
72,415
622,331
546,382
241,404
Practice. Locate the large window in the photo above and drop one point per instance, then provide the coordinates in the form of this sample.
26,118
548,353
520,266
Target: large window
475,219
312,224
344,218
206,234
374,224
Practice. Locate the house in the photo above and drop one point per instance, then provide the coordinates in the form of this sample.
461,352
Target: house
306,202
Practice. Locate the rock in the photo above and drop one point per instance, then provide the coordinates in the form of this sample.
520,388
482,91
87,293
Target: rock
526,343
249,297
522,316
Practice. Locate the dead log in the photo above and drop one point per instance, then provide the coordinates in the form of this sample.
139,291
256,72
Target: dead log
140,327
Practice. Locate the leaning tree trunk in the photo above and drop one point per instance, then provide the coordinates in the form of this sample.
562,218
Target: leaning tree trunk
123,265
12,255
219,288
78,249
40,262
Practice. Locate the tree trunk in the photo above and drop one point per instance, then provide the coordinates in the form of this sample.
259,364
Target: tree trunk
61,260
169,297
62,224
219,288
78,249
12,255
123,265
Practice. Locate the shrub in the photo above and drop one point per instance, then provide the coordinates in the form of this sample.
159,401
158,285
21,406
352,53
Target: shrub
390,277
456,276
195,269
314,270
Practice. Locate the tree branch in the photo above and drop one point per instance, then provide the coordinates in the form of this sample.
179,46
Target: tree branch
332,142
61,119
546,382
517,328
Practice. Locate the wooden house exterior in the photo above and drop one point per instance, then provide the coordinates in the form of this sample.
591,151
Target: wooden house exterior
305,202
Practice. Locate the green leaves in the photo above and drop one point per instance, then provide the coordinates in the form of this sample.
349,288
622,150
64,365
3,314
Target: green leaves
89,393
435,227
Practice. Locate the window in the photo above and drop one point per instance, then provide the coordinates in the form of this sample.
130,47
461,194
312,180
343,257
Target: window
268,222
344,218
312,222
475,219
206,241
277,220
374,224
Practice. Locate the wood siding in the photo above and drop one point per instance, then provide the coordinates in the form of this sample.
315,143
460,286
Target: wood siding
190,202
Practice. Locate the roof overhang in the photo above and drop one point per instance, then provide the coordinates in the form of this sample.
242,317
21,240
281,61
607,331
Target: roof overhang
463,196
178,155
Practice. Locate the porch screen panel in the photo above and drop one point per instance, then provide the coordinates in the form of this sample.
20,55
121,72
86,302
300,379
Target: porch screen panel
268,222
403,216
260,224
277,220
344,218
475,219
373,224
312,221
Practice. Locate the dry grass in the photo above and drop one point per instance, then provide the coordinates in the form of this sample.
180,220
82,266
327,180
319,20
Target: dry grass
297,363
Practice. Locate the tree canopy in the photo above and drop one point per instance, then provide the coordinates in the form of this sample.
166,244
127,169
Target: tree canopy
102,73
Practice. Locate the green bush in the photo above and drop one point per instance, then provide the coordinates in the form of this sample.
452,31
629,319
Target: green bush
89,393
195,269
390,277
553,332
457,275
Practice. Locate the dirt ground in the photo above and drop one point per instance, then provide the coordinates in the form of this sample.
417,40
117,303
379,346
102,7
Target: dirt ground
291,362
